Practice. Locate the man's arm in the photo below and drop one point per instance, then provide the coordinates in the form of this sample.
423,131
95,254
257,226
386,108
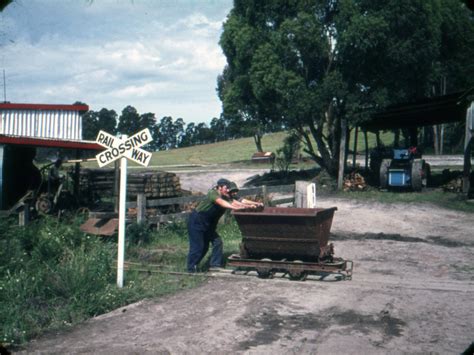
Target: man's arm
223,203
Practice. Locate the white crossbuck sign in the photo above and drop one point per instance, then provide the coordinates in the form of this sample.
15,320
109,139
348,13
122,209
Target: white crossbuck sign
128,147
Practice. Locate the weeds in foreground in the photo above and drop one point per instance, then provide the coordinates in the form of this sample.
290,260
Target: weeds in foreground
53,276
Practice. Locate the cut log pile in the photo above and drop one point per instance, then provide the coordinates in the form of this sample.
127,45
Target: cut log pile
154,184
452,181
455,185
354,182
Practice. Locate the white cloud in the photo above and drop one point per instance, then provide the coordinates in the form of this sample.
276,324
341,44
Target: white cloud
161,57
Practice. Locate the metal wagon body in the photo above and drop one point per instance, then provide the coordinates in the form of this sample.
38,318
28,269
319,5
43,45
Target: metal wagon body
290,240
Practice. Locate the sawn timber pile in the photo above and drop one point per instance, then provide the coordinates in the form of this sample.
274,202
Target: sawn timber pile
154,184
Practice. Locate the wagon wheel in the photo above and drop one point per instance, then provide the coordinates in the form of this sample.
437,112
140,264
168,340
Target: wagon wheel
44,205
265,272
297,275
82,211
243,251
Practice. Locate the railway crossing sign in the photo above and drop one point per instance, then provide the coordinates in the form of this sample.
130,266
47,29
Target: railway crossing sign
123,148
127,147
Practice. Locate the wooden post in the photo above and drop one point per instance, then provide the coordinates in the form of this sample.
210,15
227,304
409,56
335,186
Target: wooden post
342,154
24,215
77,176
366,141
141,208
116,185
300,194
467,149
266,200
354,157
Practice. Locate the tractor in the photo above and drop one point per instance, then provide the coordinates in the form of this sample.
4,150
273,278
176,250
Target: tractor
405,170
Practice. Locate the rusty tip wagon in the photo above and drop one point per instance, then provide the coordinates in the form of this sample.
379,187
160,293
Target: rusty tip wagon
289,240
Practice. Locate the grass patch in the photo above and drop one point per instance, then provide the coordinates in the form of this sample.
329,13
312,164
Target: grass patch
53,276
236,151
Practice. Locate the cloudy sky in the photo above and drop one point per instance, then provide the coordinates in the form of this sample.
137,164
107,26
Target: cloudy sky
160,56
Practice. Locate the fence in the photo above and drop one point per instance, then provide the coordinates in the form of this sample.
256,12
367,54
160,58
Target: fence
142,203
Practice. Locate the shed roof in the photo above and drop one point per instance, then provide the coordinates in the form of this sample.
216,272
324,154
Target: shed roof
18,106
425,112
50,143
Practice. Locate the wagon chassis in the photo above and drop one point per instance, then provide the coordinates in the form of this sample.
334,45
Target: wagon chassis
296,270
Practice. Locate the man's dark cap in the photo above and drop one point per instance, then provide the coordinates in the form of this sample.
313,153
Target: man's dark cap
223,182
233,187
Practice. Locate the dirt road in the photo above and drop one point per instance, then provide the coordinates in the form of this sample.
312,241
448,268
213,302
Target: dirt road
412,292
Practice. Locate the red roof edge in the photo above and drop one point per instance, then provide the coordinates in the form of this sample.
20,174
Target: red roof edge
9,105
50,143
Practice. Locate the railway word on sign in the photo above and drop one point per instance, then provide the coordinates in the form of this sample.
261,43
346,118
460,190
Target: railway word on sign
124,147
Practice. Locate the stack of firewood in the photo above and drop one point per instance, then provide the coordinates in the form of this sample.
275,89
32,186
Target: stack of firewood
354,182
454,185
97,182
154,184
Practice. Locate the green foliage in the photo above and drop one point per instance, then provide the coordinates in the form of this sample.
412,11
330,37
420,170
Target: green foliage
307,65
131,122
93,122
138,233
286,154
49,272
53,276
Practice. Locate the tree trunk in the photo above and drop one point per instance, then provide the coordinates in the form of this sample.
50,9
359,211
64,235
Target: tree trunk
354,155
257,137
366,141
436,138
342,155
396,138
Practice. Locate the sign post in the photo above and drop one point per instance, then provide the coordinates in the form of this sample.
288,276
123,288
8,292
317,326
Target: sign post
122,217
123,148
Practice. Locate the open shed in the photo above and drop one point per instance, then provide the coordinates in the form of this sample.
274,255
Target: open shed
456,107
26,127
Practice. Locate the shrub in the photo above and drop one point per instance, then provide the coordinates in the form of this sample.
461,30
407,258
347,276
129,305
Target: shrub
138,233
286,154
52,275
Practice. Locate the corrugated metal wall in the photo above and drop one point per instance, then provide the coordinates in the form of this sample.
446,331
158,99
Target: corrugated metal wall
56,124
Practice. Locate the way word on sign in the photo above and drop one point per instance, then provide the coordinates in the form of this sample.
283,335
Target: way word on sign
128,147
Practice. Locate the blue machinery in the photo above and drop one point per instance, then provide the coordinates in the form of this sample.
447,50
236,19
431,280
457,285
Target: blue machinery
405,170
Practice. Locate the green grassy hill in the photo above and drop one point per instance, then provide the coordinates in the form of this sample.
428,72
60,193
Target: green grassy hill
237,151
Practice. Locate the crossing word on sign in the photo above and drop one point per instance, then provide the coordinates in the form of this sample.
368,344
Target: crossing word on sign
128,147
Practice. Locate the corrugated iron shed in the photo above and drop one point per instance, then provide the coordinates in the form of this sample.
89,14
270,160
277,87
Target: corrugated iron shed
42,121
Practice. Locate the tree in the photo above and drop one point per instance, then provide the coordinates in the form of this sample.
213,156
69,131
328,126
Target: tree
310,64
218,127
4,4
90,125
168,133
131,122
107,121
188,138
203,134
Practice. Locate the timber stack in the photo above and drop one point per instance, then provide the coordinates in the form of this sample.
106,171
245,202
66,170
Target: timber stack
354,182
153,183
